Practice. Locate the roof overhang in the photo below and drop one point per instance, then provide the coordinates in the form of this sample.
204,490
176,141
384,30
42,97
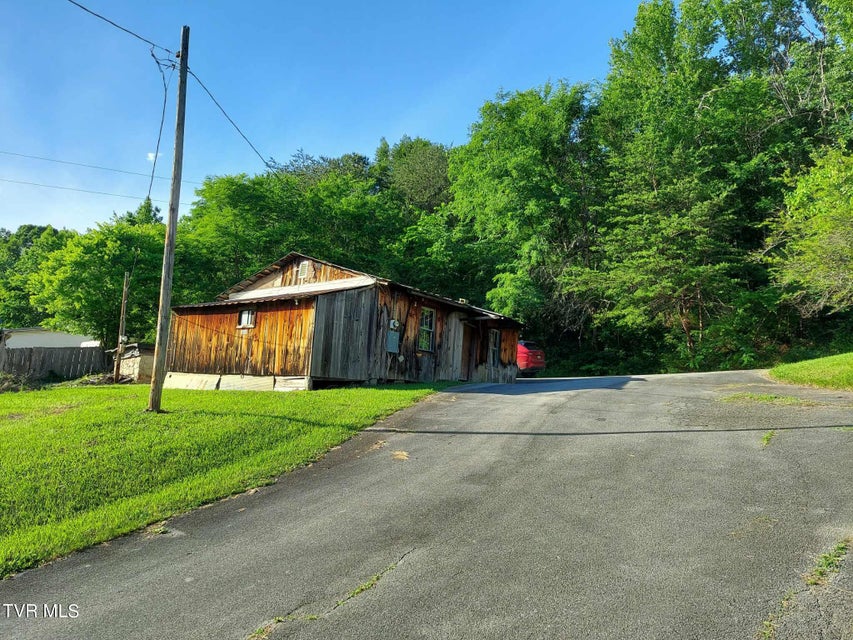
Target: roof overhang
276,266
242,294
244,303
312,288
479,315
273,294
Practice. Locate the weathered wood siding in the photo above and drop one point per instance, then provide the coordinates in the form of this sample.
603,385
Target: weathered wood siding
289,275
344,335
450,350
410,363
65,362
456,355
481,369
207,340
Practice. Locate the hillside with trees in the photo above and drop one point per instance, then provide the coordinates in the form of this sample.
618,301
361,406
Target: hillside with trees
693,210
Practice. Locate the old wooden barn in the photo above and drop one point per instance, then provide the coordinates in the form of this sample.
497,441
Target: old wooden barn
303,322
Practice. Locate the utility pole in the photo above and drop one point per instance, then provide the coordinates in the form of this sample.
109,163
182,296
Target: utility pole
121,337
161,345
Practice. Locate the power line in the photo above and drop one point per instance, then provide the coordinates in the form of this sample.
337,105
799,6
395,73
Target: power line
118,26
89,166
267,164
100,193
153,45
162,115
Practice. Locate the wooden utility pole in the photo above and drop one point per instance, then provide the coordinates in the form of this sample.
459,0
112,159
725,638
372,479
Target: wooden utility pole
121,337
161,345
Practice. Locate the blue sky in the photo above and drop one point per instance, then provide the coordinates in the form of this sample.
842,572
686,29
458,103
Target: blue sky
328,77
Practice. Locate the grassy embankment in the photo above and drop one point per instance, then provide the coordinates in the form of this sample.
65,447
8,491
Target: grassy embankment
82,465
833,372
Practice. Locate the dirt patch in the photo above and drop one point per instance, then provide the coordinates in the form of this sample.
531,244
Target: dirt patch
61,408
12,383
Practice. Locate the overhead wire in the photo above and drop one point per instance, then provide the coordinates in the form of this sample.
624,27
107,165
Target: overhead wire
267,163
100,193
118,26
133,266
162,114
90,166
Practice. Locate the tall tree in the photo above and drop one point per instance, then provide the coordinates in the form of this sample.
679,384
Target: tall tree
328,208
522,202
666,247
234,228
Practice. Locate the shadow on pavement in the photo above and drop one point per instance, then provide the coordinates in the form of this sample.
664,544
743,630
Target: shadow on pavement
523,387
568,434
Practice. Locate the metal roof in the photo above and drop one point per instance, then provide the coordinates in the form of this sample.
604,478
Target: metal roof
246,303
359,280
340,284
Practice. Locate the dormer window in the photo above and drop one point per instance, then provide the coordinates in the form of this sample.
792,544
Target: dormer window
246,319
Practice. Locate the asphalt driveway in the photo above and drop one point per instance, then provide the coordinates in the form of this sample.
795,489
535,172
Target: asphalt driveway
618,508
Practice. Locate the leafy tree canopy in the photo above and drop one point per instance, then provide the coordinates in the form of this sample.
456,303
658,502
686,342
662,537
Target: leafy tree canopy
815,231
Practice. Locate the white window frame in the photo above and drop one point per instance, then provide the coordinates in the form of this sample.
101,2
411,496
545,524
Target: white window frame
246,318
426,329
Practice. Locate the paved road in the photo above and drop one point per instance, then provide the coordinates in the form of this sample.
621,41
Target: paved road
617,508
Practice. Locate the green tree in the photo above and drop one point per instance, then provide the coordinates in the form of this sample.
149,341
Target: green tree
146,213
521,215
328,208
417,173
21,255
79,286
813,261
666,247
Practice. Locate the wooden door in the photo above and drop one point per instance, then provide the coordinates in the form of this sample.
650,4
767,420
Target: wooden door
467,345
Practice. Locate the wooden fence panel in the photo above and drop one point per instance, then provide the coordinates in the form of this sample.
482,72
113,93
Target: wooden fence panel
65,362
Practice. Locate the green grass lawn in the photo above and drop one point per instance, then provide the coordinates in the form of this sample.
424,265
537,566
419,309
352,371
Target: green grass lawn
82,465
833,372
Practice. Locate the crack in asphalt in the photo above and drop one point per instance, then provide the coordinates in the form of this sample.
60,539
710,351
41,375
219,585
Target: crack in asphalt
787,610
264,632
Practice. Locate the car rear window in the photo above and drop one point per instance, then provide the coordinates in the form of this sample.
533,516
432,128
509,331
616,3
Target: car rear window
529,345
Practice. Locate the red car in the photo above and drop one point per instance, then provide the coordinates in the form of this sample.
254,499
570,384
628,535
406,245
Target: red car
530,358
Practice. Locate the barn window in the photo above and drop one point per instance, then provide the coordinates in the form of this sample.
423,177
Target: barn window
494,347
246,319
426,331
